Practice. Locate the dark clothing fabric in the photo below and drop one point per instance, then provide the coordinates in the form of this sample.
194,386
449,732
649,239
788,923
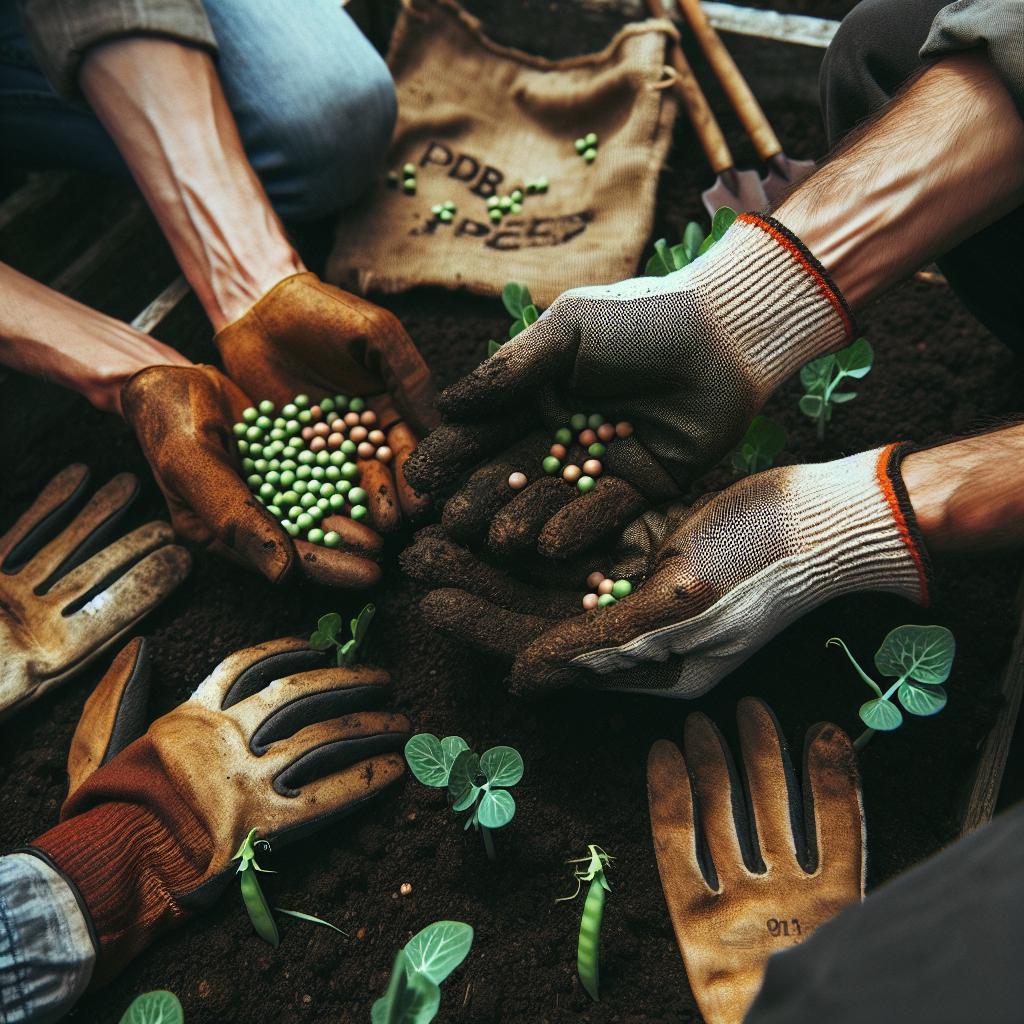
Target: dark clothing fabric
942,944
879,46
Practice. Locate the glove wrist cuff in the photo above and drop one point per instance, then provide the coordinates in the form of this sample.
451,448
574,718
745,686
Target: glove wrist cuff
775,299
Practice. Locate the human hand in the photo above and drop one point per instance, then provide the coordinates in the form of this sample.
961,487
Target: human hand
712,582
276,738
182,417
686,359
308,337
71,584
749,868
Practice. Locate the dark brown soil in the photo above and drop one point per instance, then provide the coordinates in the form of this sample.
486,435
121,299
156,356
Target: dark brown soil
937,372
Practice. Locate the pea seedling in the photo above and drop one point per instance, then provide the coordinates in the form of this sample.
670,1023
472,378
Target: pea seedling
821,377
588,946
158,1007
325,636
413,994
478,784
667,259
920,657
252,892
517,301
761,444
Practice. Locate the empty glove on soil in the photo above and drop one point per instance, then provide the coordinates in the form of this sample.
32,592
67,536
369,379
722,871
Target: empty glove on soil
275,738
717,580
688,359
72,582
307,337
752,868
182,417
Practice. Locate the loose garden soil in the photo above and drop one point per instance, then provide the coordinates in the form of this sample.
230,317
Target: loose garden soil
937,373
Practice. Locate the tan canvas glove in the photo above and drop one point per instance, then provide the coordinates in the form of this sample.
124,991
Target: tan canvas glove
72,582
182,417
752,868
713,582
688,359
275,739
308,337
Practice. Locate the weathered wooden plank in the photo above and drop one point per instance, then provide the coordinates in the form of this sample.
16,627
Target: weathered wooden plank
161,307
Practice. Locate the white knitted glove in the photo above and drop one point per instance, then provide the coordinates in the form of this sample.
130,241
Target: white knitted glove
716,581
688,359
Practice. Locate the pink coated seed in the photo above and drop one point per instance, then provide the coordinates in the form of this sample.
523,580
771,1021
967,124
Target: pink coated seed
605,586
587,438
517,481
594,580
321,429
376,437
338,425
606,432
352,418
592,467
307,433
623,428
368,418
558,450
571,474
590,602
316,412
334,441
366,450
384,454
358,434
318,444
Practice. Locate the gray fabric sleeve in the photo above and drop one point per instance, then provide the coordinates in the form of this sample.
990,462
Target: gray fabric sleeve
61,31
996,25
46,953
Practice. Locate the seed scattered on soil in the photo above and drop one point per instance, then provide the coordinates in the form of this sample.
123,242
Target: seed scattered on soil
517,481
405,888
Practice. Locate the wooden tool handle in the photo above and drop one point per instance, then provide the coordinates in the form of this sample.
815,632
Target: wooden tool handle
765,140
705,124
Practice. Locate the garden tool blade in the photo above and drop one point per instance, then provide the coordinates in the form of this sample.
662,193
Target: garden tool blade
783,174
742,191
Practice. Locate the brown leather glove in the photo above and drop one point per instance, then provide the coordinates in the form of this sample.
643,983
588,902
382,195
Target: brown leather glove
275,739
750,869
307,337
71,585
182,417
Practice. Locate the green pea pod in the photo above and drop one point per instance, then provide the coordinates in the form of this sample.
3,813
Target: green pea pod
258,908
590,937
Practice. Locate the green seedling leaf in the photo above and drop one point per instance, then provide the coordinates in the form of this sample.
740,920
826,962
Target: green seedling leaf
881,715
693,238
492,347
855,360
763,441
922,700
812,405
721,222
426,759
516,327
496,808
159,1007
451,747
502,766
921,653
438,949
680,257
837,642
411,998
514,296
838,397
462,781
530,315
816,374
311,919
661,263
329,624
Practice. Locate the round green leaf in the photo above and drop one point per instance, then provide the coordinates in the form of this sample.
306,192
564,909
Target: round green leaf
512,299
811,405
922,700
438,949
922,653
881,714
411,998
497,808
855,360
329,624
462,784
816,374
502,766
426,760
159,1007
451,747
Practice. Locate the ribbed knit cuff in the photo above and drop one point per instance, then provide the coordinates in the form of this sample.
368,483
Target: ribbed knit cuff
773,297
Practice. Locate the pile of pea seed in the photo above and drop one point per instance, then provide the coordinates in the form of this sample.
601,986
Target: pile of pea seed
586,146
605,591
300,463
591,433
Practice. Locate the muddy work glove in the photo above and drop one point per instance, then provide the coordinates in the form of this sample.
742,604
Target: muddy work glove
275,739
182,417
712,583
751,868
686,360
307,337
73,581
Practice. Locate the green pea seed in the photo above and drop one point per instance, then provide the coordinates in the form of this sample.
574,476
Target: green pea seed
250,414
436,209
267,491
277,434
604,600
313,487
290,498
304,416
288,463
255,449
274,511
445,216
357,495
323,503
305,457
495,215
273,477
331,539
318,472
578,422
327,404
337,458
596,450
243,447
292,426
291,529
492,202
585,484
239,429
580,144
350,471
336,501
323,458
409,170
248,465
516,208
304,472
594,420
327,489
264,422
275,464
590,139
409,186
343,486
358,512
563,435
289,411
316,513
357,404
300,486
341,401
254,481
287,478
590,155
551,464
295,511
621,588
304,521
253,433
505,204
332,472
261,466
301,401
307,500
516,196
266,407
315,536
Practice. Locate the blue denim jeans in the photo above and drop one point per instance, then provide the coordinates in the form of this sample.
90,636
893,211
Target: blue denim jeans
314,103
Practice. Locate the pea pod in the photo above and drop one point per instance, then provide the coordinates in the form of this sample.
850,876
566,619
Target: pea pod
588,945
252,893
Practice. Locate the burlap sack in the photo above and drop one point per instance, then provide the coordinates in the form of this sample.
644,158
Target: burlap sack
478,119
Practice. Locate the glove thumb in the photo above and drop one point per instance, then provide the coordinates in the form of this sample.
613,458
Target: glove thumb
114,715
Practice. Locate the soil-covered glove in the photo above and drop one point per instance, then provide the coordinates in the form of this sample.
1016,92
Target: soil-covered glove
182,417
275,739
719,580
752,868
72,583
308,337
687,359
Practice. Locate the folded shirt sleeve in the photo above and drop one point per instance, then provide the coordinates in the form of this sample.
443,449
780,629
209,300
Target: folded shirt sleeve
995,25
46,952
61,31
